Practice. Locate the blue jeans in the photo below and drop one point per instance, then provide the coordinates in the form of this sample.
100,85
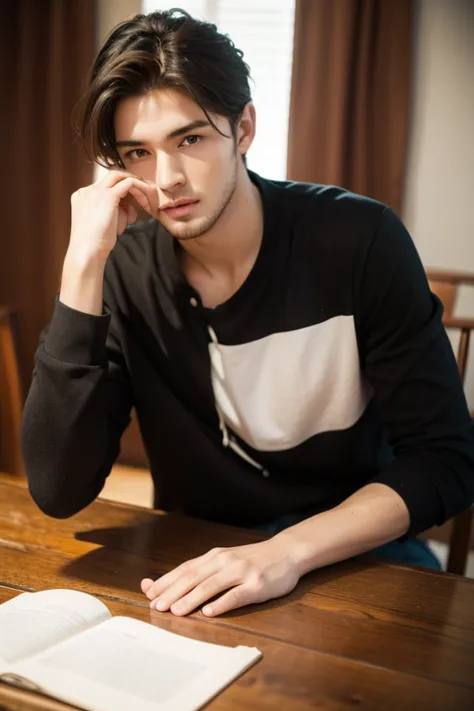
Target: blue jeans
412,550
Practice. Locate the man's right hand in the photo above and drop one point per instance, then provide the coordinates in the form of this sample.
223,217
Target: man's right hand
99,213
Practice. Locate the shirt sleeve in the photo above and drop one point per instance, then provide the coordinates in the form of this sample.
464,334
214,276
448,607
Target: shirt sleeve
77,408
408,360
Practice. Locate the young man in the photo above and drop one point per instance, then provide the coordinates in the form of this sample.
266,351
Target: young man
279,340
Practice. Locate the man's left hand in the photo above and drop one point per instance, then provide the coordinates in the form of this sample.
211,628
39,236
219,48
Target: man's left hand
249,574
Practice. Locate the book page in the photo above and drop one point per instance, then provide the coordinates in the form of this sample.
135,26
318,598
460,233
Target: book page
125,663
32,622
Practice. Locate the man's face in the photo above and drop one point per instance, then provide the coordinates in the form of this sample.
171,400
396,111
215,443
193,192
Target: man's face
179,151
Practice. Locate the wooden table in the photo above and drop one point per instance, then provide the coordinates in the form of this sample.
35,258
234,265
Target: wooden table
361,634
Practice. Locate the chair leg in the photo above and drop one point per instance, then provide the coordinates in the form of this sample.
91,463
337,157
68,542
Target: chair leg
460,540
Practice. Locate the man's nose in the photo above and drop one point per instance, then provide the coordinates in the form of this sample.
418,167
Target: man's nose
169,174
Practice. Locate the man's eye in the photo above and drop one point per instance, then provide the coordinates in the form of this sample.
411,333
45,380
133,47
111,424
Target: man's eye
129,154
192,140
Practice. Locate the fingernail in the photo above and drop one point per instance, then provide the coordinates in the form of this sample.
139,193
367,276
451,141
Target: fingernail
161,605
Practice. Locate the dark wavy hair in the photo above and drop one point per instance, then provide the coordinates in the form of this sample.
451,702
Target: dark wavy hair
160,50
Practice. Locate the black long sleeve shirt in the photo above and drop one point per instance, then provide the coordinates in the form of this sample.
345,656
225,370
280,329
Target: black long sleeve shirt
328,369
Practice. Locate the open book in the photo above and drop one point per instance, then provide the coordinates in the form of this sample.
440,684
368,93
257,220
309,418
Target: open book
66,644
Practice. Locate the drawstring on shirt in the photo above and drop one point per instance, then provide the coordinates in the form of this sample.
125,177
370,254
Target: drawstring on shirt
229,441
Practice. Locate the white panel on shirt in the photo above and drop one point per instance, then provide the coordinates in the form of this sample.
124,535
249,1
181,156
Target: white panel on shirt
279,391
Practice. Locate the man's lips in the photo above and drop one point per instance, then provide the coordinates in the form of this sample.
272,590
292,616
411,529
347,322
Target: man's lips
179,208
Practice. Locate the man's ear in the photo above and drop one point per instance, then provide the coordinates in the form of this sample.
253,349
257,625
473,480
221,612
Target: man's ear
246,129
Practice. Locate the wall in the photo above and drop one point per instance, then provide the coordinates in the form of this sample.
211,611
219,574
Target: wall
439,199
111,12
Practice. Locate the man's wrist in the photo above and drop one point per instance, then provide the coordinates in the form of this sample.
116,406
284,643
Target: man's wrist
83,264
82,283
296,548
372,516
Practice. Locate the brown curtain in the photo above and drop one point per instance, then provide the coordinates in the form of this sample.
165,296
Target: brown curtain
350,97
46,49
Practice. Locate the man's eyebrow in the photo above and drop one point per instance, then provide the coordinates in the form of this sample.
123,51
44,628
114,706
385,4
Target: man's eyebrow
200,123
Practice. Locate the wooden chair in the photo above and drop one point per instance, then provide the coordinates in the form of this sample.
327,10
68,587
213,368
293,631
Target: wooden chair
445,284
11,400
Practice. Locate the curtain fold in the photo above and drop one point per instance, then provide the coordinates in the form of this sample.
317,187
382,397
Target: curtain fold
46,49
351,95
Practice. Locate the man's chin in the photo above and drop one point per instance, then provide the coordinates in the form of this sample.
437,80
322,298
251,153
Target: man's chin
184,231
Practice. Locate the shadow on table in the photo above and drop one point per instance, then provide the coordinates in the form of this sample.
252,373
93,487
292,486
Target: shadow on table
126,555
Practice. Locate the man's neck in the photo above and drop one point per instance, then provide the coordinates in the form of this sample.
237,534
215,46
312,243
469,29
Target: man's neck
234,241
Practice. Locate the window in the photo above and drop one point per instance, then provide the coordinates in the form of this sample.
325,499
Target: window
263,30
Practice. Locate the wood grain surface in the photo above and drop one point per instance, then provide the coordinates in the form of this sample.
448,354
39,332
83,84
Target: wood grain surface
363,633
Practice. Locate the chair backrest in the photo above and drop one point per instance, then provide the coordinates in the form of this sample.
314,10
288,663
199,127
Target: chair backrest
447,292
445,284
11,400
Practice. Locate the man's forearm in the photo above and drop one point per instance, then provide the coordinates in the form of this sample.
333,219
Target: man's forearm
82,284
372,516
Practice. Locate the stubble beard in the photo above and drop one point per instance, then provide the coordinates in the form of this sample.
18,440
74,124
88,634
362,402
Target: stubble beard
187,232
